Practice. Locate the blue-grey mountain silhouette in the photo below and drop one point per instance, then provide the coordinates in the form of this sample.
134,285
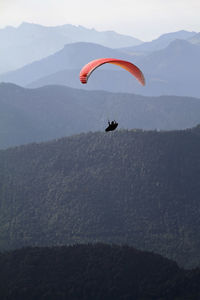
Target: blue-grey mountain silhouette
71,57
161,42
30,42
34,115
174,70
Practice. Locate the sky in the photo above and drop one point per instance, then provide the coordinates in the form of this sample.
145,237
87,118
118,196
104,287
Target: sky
143,19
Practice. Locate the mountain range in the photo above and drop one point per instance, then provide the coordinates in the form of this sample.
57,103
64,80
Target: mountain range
162,41
127,187
34,115
173,70
170,71
30,42
74,199
72,56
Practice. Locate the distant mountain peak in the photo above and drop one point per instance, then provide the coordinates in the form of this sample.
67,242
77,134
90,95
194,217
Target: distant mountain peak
27,24
182,34
83,44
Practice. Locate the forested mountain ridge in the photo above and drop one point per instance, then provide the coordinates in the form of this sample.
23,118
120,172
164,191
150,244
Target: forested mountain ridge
135,187
35,115
99,272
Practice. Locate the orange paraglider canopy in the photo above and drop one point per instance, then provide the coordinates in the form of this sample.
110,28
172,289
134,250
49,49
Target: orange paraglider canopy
91,66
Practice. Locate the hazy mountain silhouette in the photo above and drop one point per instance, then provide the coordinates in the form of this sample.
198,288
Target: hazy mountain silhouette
88,272
72,56
29,42
174,70
33,115
105,78
161,42
135,187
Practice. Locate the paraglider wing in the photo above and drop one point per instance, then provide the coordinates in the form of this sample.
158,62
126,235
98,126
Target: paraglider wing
91,66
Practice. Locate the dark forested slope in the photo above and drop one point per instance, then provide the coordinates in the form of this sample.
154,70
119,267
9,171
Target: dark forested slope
135,187
99,272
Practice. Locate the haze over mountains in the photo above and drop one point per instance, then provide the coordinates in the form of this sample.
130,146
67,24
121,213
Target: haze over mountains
170,64
170,71
30,42
33,115
73,183
162,42
72,56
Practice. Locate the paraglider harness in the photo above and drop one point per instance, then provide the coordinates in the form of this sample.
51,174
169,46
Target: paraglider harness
111,126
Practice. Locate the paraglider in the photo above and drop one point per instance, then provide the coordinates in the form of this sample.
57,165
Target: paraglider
87,70
111,126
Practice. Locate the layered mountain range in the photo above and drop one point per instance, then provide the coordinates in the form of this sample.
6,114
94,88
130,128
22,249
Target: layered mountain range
29,42
64,181
34,115
170,65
